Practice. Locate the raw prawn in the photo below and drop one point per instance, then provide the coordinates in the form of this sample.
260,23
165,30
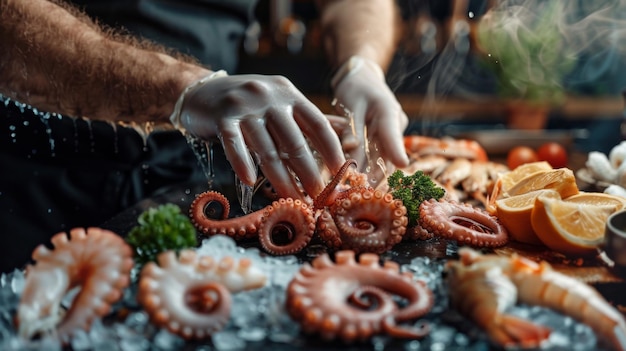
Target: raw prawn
477,181
457,170
483,286
418,146
481,178
98,260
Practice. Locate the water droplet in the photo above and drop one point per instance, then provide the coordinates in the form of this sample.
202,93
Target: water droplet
91,138
204,154
209,147
11,127
244,195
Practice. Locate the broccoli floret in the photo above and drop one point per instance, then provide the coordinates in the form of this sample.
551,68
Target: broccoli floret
413,190
161,229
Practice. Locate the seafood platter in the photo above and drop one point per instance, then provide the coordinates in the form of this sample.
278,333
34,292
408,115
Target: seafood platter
456,251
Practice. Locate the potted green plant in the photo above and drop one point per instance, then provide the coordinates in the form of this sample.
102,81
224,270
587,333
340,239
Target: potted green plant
528,54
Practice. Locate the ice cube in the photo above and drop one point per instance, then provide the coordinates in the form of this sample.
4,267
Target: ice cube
165,340
228,341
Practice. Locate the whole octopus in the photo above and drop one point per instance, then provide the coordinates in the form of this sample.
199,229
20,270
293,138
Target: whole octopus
190,295
353,301
347,215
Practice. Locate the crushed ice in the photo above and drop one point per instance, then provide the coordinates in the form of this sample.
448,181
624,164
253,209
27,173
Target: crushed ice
258,316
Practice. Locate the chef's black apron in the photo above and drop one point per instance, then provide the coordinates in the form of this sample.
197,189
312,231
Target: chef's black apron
61,172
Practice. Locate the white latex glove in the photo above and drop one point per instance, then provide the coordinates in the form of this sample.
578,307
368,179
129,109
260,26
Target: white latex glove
262,119
361,89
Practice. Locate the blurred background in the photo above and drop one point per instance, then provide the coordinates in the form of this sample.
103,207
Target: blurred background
443,81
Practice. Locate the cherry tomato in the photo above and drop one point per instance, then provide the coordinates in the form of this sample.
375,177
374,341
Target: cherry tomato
520,155
553,153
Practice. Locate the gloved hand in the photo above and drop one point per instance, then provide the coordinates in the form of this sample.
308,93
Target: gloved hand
262,119
360,88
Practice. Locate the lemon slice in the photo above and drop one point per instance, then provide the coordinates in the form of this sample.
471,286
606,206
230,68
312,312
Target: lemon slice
595,198
562,180
511,178
514,213
569,227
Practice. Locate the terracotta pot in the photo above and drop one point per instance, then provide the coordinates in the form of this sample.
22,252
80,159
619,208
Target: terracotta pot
527,116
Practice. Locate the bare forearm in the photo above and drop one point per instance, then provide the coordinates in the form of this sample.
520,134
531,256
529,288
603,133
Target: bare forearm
357,27
61,62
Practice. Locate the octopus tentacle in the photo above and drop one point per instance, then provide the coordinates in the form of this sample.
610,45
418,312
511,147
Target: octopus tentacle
190,295
334,313
244,227
293,216
464,223
404,332
418,233
327,230
97,259
364,220
325,198
371,297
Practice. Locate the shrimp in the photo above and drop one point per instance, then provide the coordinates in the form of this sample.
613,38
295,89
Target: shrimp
98,260
481,179
483,286
457,170
477,181
427,164
418,146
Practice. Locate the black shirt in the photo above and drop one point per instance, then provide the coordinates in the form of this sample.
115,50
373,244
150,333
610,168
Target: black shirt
210,30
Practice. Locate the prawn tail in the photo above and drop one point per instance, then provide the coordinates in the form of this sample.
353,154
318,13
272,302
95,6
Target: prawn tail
515,331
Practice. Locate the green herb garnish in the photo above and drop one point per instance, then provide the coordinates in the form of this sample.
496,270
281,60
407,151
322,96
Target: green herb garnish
161,229
413,190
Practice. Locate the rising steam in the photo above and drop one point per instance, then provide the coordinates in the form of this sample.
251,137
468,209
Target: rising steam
573,43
